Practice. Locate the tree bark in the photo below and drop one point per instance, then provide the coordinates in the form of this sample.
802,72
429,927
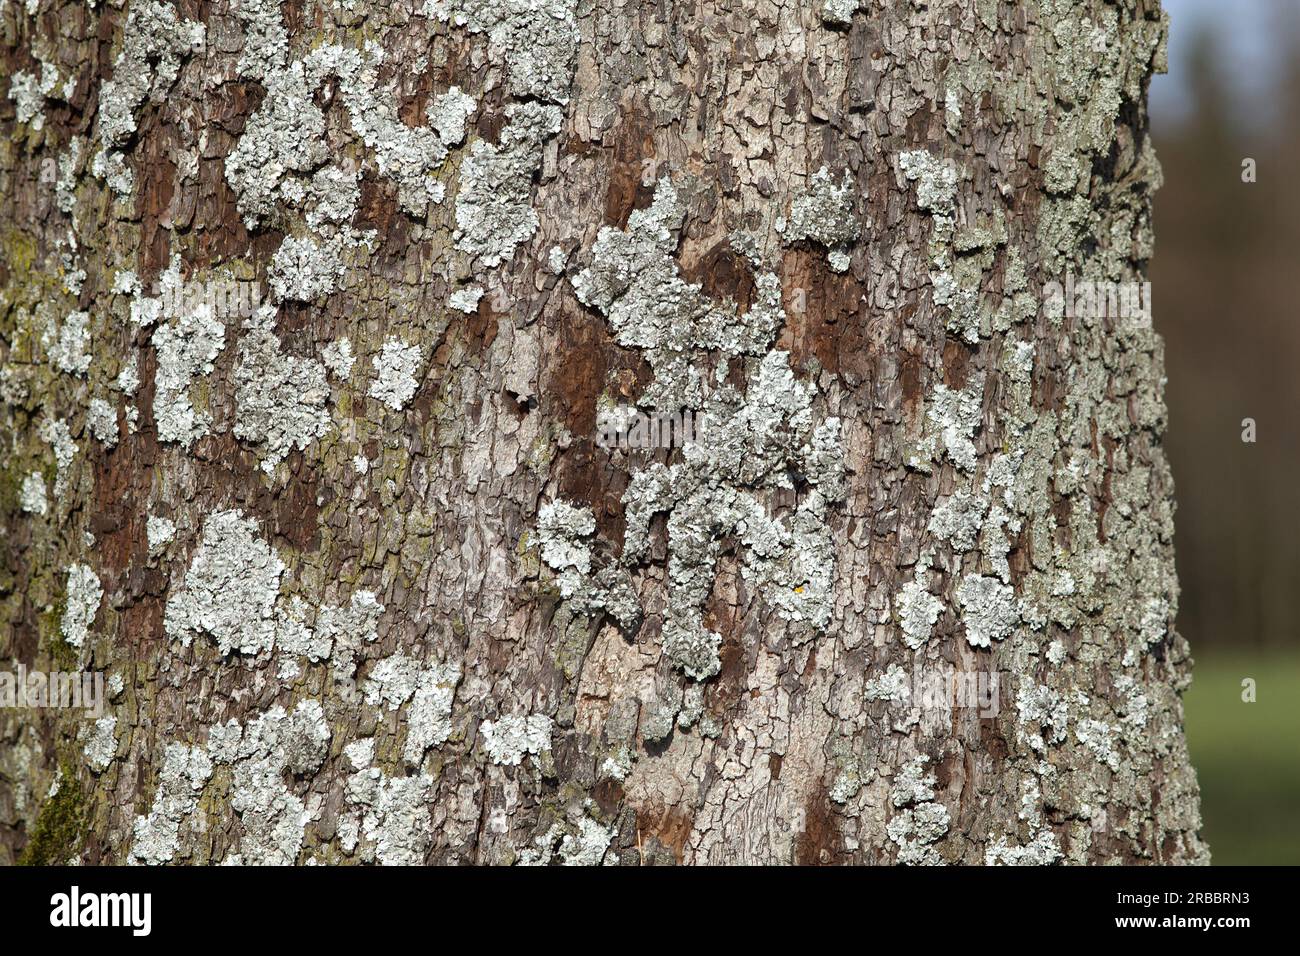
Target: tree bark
318,323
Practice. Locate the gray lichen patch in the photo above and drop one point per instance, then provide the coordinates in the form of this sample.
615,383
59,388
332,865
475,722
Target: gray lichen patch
951,419
634,281
917,609
430,691
466,300
826,215
749,443
448,114
564,532
1043,714
536,39
230,589
84,594
955,277
840,12
586,846
31,496
562,528
893,685
936,183
428,722
958,520
154,42
494,205
157,835
338,358
260,755
395,819
101,422
396,367
159,532
284,142
186,349
920,821
1043,850
989,609
509,739
279,398
307,269
28,92
330,632
100,747
578,841
55,433
68,345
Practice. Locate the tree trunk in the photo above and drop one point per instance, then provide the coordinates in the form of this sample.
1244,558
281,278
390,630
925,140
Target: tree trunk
551,431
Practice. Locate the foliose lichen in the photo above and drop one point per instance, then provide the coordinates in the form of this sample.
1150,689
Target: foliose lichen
84,594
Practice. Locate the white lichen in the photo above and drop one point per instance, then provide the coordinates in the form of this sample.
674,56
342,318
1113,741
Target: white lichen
159,532
186,349
69,345
83,595
825,214
396,814
1043,850
100,746
260,755
31,496
230,589
101,420
338,358
957,520
587,846
936,179
28,92
128,379
156,836
951,420
917,610
920,821
509,739
55,433
466,300
154,41
279,398
748,443
447,114
989,609
893,685
493,207
396,367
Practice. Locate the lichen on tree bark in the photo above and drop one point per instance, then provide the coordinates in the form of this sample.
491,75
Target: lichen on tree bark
366,585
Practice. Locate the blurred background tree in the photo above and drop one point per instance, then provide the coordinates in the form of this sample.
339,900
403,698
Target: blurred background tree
1224,278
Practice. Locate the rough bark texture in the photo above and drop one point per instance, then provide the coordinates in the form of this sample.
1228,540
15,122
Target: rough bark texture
393,601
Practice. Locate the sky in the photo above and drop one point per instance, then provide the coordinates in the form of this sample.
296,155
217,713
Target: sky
1250,49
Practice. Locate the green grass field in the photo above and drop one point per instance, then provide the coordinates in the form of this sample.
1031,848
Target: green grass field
1247,756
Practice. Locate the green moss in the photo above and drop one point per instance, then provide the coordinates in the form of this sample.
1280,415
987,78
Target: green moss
61,652
11,482
58,828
